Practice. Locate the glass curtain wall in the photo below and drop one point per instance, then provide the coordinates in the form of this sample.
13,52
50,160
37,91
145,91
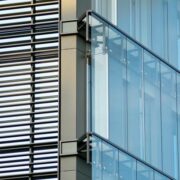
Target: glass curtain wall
135,98
109,162
154,23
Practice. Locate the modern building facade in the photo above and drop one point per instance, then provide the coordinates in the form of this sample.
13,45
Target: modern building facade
90,89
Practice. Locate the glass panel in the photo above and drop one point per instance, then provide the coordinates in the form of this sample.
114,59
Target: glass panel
109,162
169,120
145,30
160,177
135,97
159,35
127,167
144,172
117,88
124,10
152,110
178,104
99,78
96,158
173,31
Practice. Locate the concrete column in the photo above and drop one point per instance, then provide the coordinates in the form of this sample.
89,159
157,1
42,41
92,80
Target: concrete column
73,91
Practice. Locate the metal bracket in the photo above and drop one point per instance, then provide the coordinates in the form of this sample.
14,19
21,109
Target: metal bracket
68,148
69,27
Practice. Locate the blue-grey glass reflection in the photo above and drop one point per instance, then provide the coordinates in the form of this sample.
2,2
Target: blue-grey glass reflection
109,162
117,88
169,120
159,176
134,100
96,159
127,167
178,106
99,78
144,172
155,23
152,110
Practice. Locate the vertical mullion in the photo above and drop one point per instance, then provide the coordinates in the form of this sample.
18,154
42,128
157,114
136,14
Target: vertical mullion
33,90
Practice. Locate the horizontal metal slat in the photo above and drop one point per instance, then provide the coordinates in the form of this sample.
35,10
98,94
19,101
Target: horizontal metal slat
27,24
29,113
28,82
10,103
10,63
26,5
45,70
24,15
23,120
27,43
27,134
22,93
2,55
28,34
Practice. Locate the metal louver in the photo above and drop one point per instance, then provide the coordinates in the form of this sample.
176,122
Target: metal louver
29,70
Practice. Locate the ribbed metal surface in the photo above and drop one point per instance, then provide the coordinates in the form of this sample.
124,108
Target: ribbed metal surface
29,55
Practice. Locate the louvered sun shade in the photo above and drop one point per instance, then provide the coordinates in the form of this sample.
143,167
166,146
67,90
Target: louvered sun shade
29,55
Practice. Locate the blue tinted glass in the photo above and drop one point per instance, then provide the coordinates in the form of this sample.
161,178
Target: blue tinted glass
178,105
127,167
152,111
96,159
135,99
99,77
109,162
160,177
144,172
117,88
169,120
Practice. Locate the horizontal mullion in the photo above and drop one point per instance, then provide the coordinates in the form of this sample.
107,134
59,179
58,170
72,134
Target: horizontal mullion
29,113
28,34
23,5
16,44
28,82
27,53
23,15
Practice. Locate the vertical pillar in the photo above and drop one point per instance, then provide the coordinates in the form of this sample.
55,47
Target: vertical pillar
73,91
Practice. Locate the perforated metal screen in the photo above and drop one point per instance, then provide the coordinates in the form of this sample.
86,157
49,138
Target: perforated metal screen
29,70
